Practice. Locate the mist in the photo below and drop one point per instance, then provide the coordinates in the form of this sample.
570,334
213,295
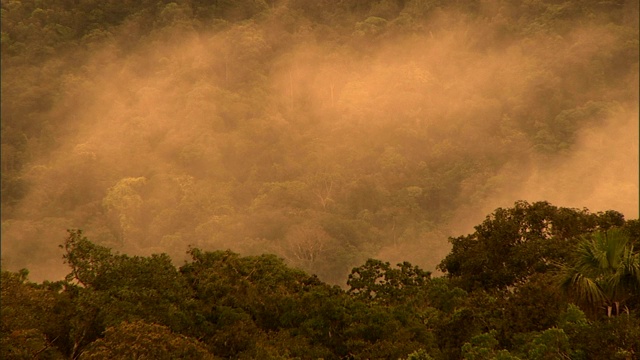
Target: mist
323,144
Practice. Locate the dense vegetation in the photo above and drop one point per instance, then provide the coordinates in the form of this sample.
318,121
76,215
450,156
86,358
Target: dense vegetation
518,305
326,132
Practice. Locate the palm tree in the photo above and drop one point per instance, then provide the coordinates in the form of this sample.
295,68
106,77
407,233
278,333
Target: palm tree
605,271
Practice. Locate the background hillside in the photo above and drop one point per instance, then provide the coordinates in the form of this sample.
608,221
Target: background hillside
326,132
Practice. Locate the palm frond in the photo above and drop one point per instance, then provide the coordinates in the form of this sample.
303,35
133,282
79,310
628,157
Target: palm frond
581,287
605,269
615,245
588,257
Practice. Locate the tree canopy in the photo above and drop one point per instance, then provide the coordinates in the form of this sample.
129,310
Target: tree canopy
223,305
277,179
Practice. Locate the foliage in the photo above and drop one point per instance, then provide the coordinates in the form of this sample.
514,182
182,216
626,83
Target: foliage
139,340
605,270
513,244
328,133
86,259
376,281
484,347
29,320
226,305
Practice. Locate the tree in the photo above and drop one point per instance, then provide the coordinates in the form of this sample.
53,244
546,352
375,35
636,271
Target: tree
105,289
123,203
236,298
484,346
513,244
617,337
376,281
307,244
29,326
420,354
534,306
605,271
552,343
140,340
86,259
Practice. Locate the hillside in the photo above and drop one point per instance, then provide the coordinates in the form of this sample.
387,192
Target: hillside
326,132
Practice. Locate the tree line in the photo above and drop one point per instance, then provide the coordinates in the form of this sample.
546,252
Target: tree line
533,281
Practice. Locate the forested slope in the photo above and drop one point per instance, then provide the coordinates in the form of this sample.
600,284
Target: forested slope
523,285
326,132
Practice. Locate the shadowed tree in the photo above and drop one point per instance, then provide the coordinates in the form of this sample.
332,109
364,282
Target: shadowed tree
513,244
605,272
378,282
139,340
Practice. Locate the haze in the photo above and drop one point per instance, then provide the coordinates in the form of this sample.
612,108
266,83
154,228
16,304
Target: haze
323,144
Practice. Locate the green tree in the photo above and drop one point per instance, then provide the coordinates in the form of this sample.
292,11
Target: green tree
513,244
534,306
238,298
605,272
485,347
105,289
123,204
617,337
29,324
552,343
140,340
86,259
378,282
420,354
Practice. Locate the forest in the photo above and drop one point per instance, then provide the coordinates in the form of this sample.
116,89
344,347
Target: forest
265,164
533,281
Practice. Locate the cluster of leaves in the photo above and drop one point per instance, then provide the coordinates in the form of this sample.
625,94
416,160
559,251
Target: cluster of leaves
513,244
223,305
294,132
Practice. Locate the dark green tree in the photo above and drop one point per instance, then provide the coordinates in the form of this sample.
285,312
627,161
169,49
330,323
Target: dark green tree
378,282
604,272
513,244
30,325
140,340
